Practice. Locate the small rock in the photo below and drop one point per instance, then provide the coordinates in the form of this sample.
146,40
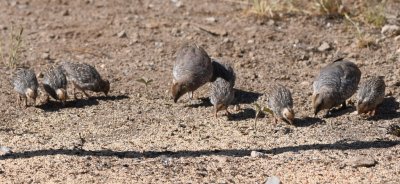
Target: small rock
211,19
305,83
273,180
324,47
361,162
4,150
250,41
122,34
390,30
3,27
271,22
256,154
46,56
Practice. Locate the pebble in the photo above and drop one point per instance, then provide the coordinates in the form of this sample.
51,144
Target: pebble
361,162
211,19
390,30
4,150
46,56
397,38
324,47
122,34
273,180
256,154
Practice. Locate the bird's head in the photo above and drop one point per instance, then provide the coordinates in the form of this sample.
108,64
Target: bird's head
288,115
178,89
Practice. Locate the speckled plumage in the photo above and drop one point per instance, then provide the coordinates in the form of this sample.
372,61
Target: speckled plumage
55,83
335,83
26,84
280,101
85,77
222,93
370,94
192,69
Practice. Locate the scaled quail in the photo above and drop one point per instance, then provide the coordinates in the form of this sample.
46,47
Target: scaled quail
222,93
335,83
280,102
370,95
55,83
192,69
85,77
26,84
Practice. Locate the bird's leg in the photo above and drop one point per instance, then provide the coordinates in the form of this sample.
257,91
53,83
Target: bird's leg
87,95
191,95
275,120
227,112
19,100
327,114
73,91
26,102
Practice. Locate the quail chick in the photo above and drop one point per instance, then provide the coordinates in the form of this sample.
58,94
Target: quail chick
222,92
192,69
335,83
26,84
85,77
370,95
281,103
55,83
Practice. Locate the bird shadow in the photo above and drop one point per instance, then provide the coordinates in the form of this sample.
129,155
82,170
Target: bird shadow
244,114
307,121
245,97
204,102
387,110
340,145
340,111
52,106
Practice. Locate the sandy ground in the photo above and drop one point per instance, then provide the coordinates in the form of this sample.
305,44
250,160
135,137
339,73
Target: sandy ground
138,135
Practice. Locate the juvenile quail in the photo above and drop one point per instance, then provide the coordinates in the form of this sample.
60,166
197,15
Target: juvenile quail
55,83
85,77
26,84
370,95
335,83
192,69
280,101
222,93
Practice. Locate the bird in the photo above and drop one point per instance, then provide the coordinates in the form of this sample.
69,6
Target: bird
192,69
26,85
370,95
280,102
84,77
55,83
334,84
222,93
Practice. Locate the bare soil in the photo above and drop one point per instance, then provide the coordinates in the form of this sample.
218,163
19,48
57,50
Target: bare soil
138,135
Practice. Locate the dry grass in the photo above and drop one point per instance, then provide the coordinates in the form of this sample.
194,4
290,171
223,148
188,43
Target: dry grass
329,7
363,40
373,13
14,50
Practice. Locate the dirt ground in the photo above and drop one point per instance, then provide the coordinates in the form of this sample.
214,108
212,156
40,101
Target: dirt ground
138,135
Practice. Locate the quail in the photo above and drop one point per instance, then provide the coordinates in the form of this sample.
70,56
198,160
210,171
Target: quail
222,93
335,83
280,102
191,70
84,77
370,95
55,83
26,84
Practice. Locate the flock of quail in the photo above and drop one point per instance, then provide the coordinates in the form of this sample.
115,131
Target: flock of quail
333,85
55,79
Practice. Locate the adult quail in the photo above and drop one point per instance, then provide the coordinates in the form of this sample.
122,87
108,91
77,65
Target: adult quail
280,101
191,70
26,84
55,83
222,93
370,95
84,77
335,83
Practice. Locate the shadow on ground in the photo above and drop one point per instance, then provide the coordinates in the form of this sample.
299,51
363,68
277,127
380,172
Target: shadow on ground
246,97
388,110
340,145
52,106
